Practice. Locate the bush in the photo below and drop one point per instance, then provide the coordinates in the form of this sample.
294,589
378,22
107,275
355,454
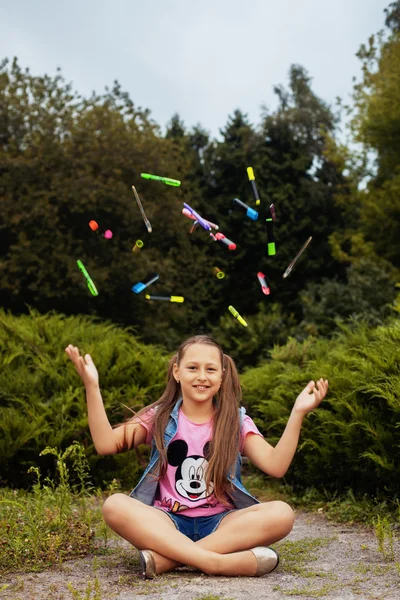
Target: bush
352,441
42,399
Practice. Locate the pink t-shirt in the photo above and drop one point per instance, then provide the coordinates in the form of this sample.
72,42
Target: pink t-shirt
183,487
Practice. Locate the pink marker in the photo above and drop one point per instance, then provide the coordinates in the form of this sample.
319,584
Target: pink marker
220,237
264,285
108,234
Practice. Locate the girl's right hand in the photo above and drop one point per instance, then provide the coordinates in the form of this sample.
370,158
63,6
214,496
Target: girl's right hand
84,366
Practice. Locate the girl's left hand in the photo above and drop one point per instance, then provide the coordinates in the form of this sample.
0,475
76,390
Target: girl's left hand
311,396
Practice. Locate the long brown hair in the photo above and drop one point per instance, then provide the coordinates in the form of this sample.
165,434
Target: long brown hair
224,445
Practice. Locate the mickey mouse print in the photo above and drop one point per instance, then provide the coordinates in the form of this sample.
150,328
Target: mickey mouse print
183,488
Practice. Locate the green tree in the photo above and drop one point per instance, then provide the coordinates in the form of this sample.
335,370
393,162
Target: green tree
375,126
293,172
64,161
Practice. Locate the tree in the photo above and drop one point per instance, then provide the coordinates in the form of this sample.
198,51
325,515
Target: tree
375,125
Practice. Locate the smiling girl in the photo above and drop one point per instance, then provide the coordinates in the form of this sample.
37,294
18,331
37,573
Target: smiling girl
190,507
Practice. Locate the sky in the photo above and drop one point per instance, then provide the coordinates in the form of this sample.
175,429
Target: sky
201,59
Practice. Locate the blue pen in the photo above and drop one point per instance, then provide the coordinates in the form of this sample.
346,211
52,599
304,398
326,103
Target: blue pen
141,285
250,212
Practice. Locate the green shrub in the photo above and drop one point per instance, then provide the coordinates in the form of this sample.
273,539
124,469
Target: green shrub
352,441
42,399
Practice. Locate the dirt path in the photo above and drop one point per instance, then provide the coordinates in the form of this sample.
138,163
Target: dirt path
318,560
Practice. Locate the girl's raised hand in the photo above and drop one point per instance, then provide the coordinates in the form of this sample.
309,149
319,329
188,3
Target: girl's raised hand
84,366
311,396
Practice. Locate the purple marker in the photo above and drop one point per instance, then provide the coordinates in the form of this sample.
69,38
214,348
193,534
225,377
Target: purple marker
201,221
187,213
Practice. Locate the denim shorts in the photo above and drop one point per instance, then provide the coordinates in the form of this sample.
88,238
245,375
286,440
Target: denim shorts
196,528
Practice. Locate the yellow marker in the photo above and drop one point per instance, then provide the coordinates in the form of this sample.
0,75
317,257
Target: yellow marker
252,180
165,298
237,316
138,246
218,273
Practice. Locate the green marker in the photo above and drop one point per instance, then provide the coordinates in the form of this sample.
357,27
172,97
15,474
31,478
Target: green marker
166,180
90,284
271,238
92,288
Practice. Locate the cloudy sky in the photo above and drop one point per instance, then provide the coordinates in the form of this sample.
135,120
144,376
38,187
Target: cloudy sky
200,58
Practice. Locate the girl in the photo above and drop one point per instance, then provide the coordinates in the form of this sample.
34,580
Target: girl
190,506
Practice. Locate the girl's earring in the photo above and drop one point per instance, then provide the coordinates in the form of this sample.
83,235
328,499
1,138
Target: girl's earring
177,381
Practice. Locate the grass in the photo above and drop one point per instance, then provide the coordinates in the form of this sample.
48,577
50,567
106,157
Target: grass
92,591
344,508
308,591
296,556
61,520
385,537
54,522
212,597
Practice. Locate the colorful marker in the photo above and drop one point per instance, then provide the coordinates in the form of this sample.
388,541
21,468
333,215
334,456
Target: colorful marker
252,180
218,273
145,219
187,213
138,246
271,238
219,237
250,212
273,213
290,267
198,218
167,180
166,298
141,285
89,281
264,285
94,227
237,316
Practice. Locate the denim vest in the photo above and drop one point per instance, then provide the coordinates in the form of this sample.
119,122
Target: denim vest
145,491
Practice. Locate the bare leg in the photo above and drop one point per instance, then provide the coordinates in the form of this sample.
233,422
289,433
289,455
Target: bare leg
259,525
146,527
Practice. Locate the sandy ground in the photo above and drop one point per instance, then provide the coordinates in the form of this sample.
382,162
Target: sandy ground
322,560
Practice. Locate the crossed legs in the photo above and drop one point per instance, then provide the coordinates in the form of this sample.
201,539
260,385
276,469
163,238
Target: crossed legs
224,552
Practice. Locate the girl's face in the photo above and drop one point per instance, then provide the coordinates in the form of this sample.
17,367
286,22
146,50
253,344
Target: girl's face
199,372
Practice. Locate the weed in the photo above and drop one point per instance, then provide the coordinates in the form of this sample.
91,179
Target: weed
375,570
211,597
308,591
142,587
92,592
385,537
296,556
52,522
